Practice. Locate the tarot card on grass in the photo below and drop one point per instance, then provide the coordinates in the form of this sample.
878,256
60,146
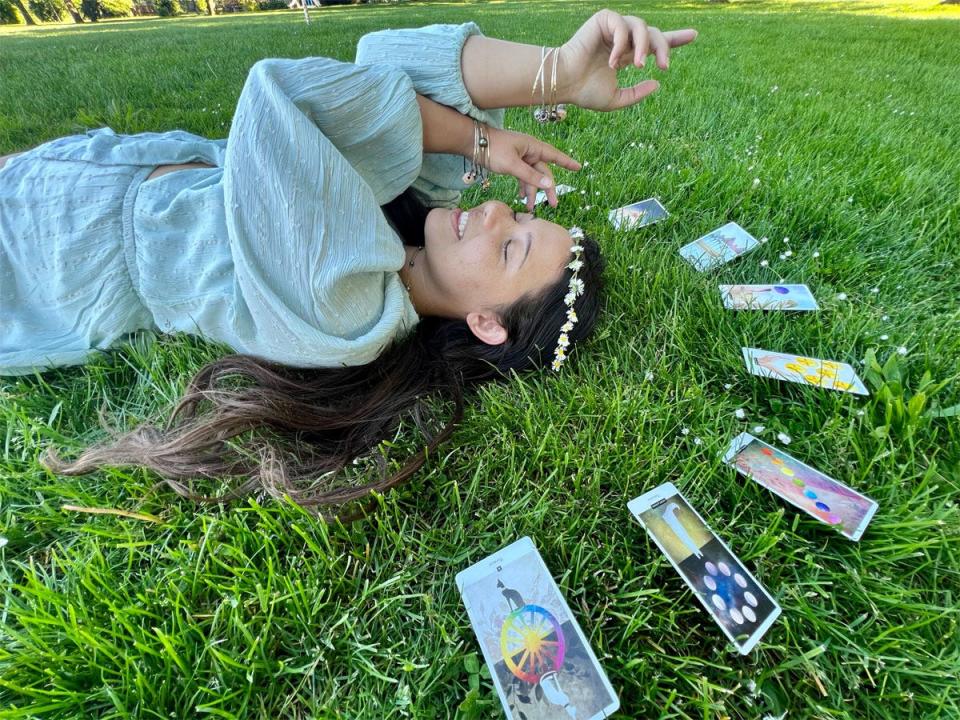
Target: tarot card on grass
819,495
541,196
768,297
541,663
638,215
804,370
718,247
739,604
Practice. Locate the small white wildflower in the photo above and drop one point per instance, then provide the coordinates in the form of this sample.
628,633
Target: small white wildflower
860,413
633,144
885,318
648,377
783,256
774,88
759,428
575,265
816,253
697,441
884,337
784,438
669,167
563,340
764,263
788,253
756,181
875,290
740,413
566,327
588,207
902,350
586,163
597,192
577,286
583,192
3,541
727,386
684,431
841,296
786,241
764,239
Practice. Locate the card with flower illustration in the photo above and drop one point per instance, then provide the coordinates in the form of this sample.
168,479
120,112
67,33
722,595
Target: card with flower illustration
768,297
638,215
718,247
805,370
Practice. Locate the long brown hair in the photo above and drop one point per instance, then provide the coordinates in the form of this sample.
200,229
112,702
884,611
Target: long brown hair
278,429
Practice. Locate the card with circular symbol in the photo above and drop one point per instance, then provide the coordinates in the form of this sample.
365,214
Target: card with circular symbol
741,606
820,496
540,660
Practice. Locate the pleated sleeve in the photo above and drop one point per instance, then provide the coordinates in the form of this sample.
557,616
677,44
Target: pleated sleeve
316,146
430,56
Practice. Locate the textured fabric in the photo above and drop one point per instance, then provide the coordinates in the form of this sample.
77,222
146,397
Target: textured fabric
280,250
430,56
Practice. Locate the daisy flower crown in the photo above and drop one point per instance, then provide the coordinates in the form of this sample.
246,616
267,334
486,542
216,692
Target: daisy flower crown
575,290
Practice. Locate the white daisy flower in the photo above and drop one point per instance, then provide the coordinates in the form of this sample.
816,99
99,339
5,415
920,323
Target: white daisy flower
784,438
557,364
577,285
569,298
740,413
572,315
563,340
759,428
902,350
841,296
566,327
576,248
575,265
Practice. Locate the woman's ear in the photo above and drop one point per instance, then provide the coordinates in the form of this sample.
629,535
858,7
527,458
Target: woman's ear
487,327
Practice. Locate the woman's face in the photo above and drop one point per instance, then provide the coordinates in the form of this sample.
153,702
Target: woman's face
480,259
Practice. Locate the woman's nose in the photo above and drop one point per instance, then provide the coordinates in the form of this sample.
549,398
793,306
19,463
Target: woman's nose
494,212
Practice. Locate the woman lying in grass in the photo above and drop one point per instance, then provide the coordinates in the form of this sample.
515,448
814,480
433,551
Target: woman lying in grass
321,241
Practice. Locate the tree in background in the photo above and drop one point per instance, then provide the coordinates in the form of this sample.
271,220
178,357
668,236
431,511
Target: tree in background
169,8
48,10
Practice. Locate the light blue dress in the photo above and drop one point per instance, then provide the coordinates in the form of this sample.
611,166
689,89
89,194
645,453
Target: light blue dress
280,250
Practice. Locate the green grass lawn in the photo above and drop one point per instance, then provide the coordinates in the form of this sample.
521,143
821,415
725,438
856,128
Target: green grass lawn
848,116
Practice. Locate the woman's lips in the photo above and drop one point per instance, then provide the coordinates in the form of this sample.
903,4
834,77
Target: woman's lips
455,222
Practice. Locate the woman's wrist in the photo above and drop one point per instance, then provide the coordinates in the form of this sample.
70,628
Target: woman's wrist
445,130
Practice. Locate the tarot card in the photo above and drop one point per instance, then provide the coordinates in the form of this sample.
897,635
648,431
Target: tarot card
542,196
805,370
739,604
768,297
541,663
819,495
638,215
718,247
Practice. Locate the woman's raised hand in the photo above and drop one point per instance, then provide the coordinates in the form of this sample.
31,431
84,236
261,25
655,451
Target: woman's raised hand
605,43
525,157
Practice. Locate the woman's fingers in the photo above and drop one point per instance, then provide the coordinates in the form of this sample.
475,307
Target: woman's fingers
551,191
628,96
659,48
548,152
621,41
676,38
640,36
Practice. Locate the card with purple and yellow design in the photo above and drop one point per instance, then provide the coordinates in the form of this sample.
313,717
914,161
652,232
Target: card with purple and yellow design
804,487
827,374
797,298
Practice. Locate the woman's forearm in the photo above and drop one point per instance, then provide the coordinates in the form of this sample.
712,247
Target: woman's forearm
444,129
500,74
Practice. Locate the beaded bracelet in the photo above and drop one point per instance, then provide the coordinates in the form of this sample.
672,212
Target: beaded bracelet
548,111
480,159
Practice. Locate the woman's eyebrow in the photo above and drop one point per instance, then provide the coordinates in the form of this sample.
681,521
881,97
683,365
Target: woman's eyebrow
527,251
